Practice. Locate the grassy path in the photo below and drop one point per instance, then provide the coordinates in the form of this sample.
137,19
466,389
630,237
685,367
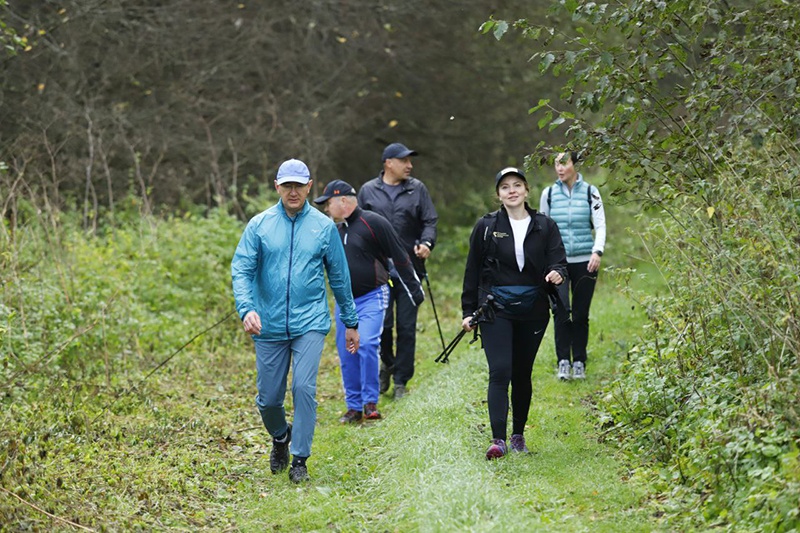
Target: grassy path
422,468
188,453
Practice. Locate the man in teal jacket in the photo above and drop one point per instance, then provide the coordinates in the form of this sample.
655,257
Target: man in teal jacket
278,273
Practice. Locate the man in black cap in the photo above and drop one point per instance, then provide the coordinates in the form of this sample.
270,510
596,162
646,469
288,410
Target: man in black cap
370,243
405,202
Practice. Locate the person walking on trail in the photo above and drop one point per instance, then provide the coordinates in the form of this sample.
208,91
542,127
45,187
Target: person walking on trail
278,273
577,208
369,243
515,258
404,201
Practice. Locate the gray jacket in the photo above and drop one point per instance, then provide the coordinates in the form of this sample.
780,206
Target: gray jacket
412,213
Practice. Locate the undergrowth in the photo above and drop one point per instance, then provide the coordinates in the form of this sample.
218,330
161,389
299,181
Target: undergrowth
85,324
709,397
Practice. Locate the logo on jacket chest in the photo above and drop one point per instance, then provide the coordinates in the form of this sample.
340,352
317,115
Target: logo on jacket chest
500,234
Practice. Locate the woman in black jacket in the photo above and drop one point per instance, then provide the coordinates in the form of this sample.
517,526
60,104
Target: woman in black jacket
516,255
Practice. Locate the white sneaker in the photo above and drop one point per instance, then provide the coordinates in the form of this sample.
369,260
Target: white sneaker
563,370
578,370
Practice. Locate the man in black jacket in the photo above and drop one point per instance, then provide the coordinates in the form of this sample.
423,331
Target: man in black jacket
370,243
404,201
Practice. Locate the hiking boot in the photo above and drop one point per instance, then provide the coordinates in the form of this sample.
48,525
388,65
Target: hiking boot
371,412
385,379
299,473
518,443
578,370
350,417
399,391
496,450
279,456
563,370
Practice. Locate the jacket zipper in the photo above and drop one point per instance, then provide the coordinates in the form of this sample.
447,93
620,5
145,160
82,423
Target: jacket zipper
289,278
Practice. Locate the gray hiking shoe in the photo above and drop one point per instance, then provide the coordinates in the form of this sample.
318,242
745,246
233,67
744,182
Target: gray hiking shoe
399,391
578,370
279,456
563,370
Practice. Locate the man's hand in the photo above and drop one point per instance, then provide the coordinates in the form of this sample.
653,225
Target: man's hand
252,323
554,278
422,251
351,340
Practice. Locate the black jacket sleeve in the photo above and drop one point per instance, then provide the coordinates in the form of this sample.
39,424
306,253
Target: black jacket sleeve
470,297
556,255
390,243
428,216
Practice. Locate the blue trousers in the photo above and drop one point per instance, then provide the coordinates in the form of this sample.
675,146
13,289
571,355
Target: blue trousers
360,370
272,366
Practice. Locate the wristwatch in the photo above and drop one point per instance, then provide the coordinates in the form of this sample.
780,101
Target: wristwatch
598,252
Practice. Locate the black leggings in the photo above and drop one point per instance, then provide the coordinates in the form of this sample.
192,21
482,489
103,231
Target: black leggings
510,347
572,335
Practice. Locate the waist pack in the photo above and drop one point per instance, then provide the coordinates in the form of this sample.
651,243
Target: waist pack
515,299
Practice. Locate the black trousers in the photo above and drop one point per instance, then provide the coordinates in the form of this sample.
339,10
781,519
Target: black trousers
401,316
510,347
572,336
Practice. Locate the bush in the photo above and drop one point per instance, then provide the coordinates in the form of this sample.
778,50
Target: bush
710,394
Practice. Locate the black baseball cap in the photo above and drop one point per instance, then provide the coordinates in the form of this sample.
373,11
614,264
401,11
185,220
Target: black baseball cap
509,171
333,189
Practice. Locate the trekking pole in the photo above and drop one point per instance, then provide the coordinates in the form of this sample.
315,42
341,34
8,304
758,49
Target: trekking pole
433,304
445,355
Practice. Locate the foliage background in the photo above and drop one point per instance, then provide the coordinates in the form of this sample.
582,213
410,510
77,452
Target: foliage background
123,135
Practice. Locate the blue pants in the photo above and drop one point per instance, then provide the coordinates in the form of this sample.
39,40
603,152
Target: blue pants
360,370
272,365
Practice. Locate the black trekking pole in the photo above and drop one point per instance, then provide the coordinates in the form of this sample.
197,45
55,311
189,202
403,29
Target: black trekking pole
433,304
445,355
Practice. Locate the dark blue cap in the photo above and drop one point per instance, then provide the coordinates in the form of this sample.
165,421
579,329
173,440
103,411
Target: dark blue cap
397,151
333,189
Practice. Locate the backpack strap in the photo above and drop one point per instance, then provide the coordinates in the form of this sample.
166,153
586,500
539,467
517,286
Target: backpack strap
588,194
488,231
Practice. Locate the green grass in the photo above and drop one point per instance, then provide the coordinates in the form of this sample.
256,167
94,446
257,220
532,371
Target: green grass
422,468
189,453
184,450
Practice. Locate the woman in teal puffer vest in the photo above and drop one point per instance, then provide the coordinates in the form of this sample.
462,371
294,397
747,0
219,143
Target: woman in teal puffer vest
578,210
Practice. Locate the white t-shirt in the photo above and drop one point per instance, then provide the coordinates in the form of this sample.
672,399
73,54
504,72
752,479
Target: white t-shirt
519,228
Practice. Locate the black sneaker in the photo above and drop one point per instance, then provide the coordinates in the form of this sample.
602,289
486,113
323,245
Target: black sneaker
279,456
298,473
350,417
